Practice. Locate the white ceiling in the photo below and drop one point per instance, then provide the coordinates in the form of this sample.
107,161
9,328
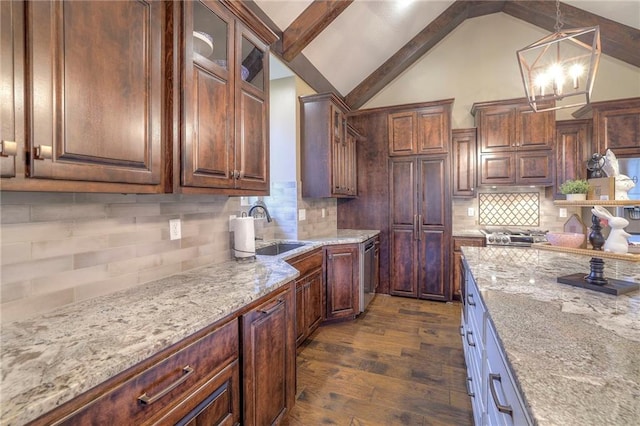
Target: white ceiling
369,32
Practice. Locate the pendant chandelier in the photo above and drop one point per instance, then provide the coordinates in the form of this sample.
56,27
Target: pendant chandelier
560,67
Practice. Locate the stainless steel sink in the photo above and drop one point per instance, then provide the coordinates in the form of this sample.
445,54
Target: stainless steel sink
278,248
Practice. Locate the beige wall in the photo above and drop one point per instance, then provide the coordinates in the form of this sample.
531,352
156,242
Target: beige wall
477,62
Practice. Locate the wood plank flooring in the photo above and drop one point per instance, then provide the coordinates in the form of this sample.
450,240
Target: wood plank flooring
400,363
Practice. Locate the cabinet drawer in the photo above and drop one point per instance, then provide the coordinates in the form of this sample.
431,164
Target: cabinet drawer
469,242
307,262
504,404
166,384
475,309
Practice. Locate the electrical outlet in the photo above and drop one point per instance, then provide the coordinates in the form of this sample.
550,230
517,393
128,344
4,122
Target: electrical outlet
302,215
471,212
324,212
175,232
562,212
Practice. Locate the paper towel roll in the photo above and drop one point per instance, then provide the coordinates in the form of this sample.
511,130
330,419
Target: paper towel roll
244,237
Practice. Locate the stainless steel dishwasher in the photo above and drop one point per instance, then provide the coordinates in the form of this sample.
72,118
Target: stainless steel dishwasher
367,265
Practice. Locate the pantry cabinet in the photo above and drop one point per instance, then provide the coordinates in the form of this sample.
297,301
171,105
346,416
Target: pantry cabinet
616,126
419,229
342,281
224,131
515,145
328,148
88,87
425,130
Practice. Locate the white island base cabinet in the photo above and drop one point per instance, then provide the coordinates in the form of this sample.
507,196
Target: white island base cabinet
494,397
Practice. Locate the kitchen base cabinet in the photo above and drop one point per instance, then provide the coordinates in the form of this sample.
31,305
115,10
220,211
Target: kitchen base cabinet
309,286
166,388
269,356
457,277
494,397
342,282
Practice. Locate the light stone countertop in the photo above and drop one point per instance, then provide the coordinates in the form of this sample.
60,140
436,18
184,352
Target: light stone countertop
49,359
575,352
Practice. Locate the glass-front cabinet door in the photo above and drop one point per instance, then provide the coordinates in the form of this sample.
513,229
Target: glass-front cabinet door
208,96
252,142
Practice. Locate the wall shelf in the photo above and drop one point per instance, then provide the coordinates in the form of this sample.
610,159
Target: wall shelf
590,203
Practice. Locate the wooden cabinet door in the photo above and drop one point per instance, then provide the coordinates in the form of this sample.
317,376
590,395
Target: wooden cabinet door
313,302
535,168
432,188
342,281
252,99
497,129
268,345
433,130
9,38
96,90
433,265
301,306
403,226
350,164
498,168
573,149
535,130
619,131
463,160
402,137
208,155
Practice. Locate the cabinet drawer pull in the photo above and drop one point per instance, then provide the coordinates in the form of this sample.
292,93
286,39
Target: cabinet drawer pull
148,400
43,152
8,148
471,394
272,309
470,300
502,408
470,342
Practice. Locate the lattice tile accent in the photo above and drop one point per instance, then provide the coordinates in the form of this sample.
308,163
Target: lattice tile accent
509,209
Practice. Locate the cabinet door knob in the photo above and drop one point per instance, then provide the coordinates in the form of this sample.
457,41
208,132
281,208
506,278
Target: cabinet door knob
8,148
43,152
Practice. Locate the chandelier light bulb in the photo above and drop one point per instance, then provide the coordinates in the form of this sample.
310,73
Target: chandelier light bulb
575,72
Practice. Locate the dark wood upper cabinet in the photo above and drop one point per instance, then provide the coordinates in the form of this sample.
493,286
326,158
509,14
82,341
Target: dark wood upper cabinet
616,126
9,44
328,149
88,87
515,145
463,162
225,142
573,150
423,131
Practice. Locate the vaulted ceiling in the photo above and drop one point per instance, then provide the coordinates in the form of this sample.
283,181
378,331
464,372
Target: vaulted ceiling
374,41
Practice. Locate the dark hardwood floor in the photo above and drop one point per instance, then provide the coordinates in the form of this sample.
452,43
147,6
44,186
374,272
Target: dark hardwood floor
400,363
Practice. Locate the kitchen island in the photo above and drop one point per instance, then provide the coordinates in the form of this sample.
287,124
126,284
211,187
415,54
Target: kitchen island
49,359
574,354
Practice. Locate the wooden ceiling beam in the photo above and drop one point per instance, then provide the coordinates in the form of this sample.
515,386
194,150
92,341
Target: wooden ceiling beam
618,40
433,33
311,22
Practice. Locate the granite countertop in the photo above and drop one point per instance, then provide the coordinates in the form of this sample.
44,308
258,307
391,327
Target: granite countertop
49,359
575,353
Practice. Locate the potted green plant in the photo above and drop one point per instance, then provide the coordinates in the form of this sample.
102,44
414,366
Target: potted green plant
575,189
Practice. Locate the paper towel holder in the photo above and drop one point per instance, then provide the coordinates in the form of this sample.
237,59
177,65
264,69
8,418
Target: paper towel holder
244,242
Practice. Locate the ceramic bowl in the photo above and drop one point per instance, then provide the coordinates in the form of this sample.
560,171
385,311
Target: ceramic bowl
565,239
202,43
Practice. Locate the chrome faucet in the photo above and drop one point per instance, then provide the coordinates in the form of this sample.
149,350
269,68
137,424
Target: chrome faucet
263,206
